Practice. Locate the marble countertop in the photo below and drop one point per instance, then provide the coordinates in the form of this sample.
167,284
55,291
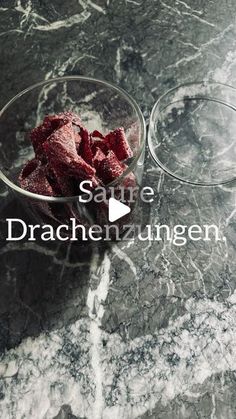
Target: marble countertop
134,330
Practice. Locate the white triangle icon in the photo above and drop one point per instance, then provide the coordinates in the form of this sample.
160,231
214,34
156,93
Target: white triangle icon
117,210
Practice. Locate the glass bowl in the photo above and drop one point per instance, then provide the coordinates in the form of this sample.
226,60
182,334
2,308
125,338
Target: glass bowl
192,133
101,105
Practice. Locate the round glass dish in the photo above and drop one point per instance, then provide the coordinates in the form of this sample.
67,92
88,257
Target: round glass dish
101,106
192,133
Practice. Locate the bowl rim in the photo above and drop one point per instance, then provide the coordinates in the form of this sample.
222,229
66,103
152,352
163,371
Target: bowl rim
152,121
120,91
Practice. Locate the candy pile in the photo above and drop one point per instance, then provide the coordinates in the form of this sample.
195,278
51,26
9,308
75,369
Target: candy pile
66,154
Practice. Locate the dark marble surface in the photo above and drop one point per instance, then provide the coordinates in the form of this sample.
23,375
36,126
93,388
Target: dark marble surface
136,330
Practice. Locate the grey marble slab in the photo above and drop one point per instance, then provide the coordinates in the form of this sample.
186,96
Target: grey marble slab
133,330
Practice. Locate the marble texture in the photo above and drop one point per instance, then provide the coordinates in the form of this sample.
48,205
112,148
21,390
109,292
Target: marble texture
133,330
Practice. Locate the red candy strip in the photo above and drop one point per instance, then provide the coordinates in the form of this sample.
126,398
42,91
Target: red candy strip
118,144
36,180
85,146
108,167
62,155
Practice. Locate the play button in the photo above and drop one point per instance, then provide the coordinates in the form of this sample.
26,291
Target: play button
117,210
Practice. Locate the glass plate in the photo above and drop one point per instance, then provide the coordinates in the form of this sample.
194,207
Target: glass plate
192,133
